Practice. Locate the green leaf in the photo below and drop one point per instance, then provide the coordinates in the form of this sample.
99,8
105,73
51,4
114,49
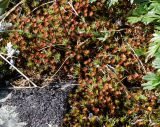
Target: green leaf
142,97
140,52
141,9
148,86
150,76
3,5
112,2
133,20
156,63
153,81
146,19
157,27
3,49
57,57
106,34
156,37
1,63
92,1
154,47
140,1
155,6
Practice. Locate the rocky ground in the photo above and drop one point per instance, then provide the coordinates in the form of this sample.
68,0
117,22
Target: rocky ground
36,107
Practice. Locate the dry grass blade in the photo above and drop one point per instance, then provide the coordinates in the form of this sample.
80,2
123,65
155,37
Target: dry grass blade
136,56
43,5
57,70
18,70
10,11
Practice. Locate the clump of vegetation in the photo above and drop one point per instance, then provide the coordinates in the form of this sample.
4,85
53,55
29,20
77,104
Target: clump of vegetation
92,42
104,102
71,34
148,13
95,100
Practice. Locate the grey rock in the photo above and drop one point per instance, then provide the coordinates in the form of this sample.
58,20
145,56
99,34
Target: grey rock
39,107
9,117
4,95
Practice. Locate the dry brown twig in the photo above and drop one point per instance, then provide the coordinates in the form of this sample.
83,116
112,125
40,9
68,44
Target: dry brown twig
43,5
79,44
111,71
11,10
136,56
57,70
21,85
17,70
71,5
60,66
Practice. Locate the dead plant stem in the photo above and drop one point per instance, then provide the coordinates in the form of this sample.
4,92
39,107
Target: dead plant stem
18,70
10,11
